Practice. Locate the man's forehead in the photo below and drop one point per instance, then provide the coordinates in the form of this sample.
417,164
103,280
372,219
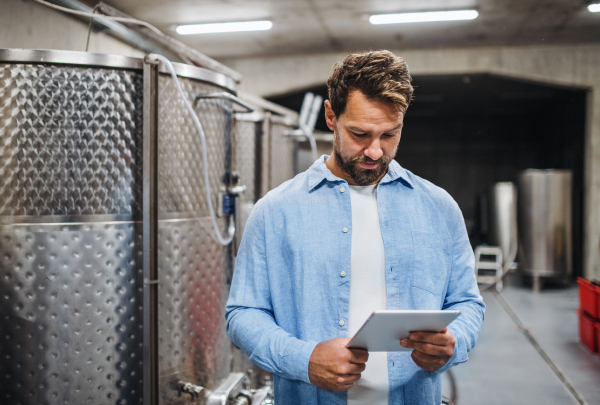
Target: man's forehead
366,127
360,107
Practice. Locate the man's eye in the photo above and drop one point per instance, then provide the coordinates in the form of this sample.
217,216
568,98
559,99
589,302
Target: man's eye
358,135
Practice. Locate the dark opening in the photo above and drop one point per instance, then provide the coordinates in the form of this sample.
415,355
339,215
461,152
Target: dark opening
466,132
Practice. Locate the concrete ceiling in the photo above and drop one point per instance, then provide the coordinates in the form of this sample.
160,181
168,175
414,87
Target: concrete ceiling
313,26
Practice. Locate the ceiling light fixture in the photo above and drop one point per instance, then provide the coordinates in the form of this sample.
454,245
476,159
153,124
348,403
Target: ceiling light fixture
594,7
224,27
423,17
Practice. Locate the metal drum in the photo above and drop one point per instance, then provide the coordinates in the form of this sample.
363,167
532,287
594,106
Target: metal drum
503,219
194,271
282,150
545,224
264,160
266,146
73,230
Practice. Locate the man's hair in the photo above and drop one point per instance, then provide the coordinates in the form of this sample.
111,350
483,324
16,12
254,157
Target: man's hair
379,75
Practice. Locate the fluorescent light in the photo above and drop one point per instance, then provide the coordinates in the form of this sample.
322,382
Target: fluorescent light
224,27
594,8
423,17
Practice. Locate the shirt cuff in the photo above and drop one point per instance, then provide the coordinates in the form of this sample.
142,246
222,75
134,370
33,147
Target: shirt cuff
460,351
296,364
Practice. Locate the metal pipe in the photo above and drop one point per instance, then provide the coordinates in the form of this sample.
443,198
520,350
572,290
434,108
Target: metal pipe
121,32
180,49
150,232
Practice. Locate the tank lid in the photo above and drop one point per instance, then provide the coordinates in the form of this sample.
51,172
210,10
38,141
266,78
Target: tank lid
205,75
69,58
110,61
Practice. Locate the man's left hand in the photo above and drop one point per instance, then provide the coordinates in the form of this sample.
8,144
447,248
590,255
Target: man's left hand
431,349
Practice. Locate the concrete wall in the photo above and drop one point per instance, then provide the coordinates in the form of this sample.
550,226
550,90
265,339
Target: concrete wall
26,24
570,65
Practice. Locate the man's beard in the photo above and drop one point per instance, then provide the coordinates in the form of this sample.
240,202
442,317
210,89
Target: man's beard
362,177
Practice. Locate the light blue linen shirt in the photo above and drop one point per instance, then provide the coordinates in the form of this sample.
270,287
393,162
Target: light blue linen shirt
288,292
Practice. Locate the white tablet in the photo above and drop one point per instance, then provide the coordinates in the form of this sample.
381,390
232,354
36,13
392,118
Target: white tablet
384,329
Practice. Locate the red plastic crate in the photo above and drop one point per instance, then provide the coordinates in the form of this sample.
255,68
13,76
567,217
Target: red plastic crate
589,298
588,331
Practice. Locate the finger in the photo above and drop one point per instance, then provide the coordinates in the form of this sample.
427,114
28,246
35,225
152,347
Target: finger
347,379
426,359
357,368
358,356
433,350
351,368
407,343
436,338
345,387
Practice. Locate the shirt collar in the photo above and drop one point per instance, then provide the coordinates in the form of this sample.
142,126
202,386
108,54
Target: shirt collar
319,173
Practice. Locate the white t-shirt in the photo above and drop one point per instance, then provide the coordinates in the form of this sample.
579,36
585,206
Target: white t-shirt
367,291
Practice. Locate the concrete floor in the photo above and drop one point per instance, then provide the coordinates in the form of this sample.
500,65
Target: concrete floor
505,367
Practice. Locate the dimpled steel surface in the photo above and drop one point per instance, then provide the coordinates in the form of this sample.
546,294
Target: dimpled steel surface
282,154
70,292
246,157
70,309
193,281
180,172
194,286
70,140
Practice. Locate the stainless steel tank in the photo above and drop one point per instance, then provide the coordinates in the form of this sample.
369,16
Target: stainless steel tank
545,224
101,182
194,270
264,159
282,164
250,129
265,155
503,219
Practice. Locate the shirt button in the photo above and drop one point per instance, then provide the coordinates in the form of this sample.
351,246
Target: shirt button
342,190
342,322
345,229
343,274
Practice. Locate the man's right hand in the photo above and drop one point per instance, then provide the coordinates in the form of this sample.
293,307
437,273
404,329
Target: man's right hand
334,367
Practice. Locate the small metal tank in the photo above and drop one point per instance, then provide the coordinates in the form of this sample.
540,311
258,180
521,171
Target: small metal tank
503,219
265,156
264,160
545,224
100,181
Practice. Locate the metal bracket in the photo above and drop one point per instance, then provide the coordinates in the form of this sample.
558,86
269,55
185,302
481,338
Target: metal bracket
295,132
151,59
230,389
263,396
237,190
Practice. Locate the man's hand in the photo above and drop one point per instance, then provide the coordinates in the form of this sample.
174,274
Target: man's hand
431,349
334,367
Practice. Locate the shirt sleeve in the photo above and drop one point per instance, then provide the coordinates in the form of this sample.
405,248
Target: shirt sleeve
249,314
463,293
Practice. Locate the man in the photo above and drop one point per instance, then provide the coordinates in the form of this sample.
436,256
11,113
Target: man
354,233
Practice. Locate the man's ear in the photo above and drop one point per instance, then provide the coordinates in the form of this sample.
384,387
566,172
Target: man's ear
330,116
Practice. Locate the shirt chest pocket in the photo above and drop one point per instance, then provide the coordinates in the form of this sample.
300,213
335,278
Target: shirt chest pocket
431,262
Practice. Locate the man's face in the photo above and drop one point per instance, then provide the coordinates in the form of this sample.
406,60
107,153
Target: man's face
366,138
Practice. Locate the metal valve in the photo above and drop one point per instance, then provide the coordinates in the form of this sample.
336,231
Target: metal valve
193,390
243,398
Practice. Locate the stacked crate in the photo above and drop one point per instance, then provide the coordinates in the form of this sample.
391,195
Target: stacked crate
589,313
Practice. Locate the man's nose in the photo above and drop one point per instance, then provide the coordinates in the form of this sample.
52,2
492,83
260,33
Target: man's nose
374,151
